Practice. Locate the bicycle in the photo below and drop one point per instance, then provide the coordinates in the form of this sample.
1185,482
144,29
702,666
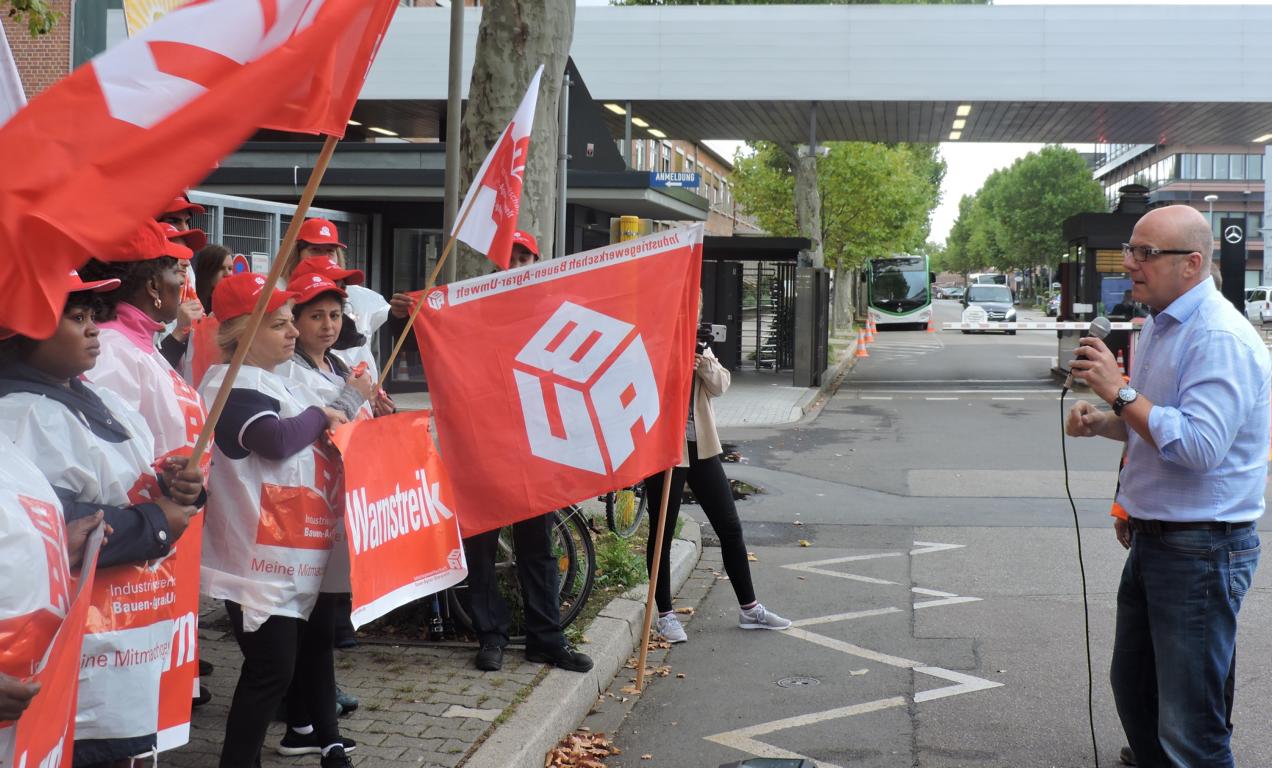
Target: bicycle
571,542
624,509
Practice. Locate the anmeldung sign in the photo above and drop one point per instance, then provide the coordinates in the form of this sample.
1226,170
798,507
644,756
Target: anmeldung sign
674,179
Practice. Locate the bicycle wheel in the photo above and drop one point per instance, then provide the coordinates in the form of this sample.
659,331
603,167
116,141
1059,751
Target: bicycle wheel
576,561
624,509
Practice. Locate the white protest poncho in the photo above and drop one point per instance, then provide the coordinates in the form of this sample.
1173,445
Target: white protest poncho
311,387
128,635
269,527
369,311
34,579
175,414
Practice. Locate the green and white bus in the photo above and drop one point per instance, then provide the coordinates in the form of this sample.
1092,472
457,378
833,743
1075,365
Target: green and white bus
899,291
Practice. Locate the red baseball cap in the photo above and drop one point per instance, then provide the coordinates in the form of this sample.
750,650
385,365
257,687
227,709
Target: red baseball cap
236,295
182,203
520,237
321,265
319,232
311,286
75,284
192,240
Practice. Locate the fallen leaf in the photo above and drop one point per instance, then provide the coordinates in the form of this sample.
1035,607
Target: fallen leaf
856,672
799,522
646,757
686,611
630,690
751,556
681,676
805,543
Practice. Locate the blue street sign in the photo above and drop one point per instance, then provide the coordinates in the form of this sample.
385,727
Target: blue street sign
674,179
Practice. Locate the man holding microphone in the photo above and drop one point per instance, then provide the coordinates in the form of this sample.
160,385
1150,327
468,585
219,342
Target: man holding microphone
1195,420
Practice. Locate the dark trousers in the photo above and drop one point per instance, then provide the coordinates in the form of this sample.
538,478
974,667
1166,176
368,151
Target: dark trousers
537,573
270,655
710,487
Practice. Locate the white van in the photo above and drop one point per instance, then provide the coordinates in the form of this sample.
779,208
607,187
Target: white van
1259,304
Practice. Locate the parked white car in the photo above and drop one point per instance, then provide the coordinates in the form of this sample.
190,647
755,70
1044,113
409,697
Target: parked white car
1259,304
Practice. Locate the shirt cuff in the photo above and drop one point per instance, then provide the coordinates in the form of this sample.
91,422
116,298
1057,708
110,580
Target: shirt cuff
1165,425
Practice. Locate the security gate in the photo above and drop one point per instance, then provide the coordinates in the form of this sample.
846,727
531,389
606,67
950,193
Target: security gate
250,226
768,317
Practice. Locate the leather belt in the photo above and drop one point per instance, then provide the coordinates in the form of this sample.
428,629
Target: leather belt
1157,527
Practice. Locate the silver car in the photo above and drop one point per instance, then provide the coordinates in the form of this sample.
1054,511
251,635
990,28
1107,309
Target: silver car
996,300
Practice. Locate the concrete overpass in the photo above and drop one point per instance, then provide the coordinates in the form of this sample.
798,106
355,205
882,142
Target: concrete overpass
1100,74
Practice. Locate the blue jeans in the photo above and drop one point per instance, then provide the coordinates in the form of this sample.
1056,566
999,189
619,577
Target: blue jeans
1176,634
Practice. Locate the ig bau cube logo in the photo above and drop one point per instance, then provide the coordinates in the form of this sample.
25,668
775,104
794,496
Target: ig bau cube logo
579,399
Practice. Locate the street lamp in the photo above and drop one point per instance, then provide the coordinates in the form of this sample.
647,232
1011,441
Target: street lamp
1210,203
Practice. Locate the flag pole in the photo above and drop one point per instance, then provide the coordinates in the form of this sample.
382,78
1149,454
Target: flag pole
653,580
415,311
262,301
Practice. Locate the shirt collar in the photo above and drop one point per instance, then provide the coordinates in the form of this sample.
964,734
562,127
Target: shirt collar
1183,307
135,325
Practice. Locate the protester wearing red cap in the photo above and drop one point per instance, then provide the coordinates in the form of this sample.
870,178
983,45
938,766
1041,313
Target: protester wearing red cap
179,212
267,437
96,452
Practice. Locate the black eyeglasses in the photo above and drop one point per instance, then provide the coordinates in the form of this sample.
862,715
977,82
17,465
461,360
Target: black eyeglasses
1143,252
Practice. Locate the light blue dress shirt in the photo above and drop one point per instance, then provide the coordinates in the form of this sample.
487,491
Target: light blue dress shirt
1207,373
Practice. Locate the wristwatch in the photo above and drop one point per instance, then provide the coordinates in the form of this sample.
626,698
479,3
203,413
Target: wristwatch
1125,396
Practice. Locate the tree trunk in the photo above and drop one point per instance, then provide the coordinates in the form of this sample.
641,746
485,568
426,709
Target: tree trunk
514,38
845,283
807,202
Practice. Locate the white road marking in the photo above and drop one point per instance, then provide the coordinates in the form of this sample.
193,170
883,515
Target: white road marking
940,398
965,684
872,397
928,547
1006,398
1035,357
852,650
844,617
743,738
947,598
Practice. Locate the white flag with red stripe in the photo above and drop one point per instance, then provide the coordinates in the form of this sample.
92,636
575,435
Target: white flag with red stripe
494,199
12,97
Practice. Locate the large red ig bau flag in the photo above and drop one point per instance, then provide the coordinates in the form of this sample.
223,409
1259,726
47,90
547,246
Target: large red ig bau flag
564,379
489,212
91,158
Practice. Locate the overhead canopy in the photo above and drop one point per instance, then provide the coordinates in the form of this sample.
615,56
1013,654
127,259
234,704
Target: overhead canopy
1105,74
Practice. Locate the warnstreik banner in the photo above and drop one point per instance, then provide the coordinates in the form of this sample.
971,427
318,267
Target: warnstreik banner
399,514
563,379
45,733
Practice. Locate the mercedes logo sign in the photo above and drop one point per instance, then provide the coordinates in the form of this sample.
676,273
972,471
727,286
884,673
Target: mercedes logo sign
1233,234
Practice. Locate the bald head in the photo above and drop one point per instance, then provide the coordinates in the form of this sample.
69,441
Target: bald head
1185,226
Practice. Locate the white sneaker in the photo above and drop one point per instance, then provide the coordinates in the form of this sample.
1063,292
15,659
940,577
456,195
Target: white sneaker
670,628
759,617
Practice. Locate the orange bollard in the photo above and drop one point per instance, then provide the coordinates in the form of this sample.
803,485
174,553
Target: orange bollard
861,344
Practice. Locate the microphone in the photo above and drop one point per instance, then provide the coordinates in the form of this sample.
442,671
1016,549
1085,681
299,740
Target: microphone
1100,328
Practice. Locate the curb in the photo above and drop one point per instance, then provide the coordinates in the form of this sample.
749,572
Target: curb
560,702
830,382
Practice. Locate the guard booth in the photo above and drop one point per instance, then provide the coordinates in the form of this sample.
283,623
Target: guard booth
1093,280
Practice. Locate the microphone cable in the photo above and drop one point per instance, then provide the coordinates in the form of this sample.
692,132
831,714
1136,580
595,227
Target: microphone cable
1086,608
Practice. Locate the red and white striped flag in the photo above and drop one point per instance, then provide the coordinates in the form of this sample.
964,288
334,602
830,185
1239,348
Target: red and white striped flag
495,195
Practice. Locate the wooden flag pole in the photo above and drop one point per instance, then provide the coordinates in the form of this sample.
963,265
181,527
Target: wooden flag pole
262,301
415,311
650,609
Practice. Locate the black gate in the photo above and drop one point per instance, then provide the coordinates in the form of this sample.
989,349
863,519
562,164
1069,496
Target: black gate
768,317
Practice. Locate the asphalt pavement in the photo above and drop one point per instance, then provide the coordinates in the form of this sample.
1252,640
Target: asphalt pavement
917,530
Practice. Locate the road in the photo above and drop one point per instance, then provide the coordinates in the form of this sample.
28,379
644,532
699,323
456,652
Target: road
938,606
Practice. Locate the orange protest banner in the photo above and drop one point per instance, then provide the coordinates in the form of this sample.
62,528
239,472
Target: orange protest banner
46,731
400,521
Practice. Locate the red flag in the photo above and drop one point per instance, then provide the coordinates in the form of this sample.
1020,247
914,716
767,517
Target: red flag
565,379
403,537
91,158
494,199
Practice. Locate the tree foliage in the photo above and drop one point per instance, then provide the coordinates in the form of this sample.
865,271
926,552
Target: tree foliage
876,199
39,17
1016,218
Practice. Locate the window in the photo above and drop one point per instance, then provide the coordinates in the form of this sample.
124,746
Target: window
1221,166
666,157
638,155
1236,166
1254,222
1188,166
1205,166
1254,167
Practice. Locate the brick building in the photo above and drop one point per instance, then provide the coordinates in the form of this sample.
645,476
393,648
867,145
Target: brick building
43,60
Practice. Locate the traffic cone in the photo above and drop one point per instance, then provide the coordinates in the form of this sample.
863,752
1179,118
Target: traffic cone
861,344
869,333
1121,364
931,326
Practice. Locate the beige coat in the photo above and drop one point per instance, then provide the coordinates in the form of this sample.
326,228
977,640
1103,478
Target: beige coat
710,380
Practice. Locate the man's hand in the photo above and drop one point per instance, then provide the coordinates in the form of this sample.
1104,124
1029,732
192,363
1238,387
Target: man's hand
1122,529
178,516
1085,420
1098,368
77,533
15,695
400,306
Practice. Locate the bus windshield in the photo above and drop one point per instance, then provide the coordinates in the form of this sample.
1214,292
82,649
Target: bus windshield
899,284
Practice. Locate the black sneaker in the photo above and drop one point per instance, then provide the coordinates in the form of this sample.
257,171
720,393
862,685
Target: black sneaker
203,698
345,703
563,657
1126,756
490,657
336,758
205,668
294,744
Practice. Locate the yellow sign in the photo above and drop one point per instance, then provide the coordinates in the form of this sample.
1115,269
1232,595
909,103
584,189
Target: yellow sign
1108,260
139,14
